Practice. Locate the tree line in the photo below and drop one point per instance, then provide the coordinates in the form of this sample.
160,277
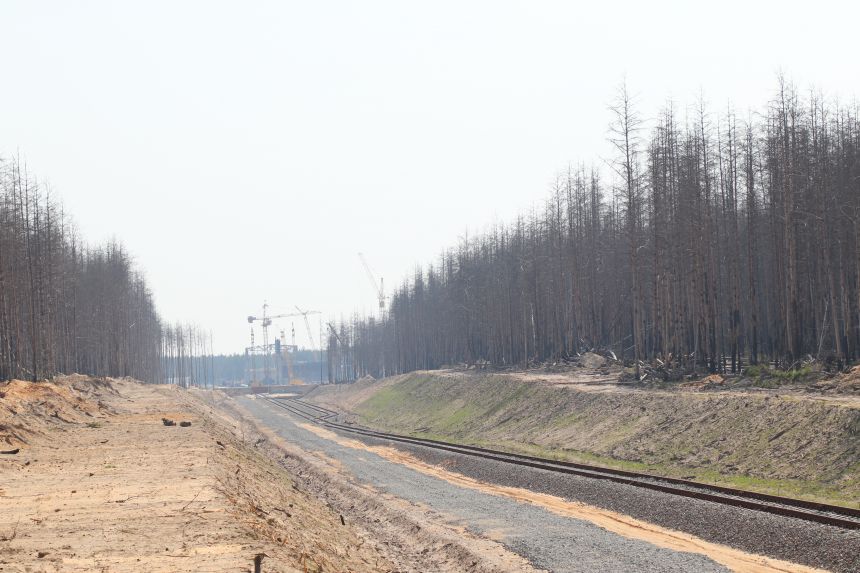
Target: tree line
66,306
710,241
187,358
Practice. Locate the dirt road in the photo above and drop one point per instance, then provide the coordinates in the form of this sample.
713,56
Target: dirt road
101,484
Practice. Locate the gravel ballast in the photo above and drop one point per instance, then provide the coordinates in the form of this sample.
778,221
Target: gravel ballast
794,540
547,540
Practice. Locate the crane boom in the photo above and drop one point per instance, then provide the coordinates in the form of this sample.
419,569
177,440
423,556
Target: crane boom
370,276
305,314
267,320
379,287
334,332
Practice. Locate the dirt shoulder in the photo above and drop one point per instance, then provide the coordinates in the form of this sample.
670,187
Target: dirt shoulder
788,443
100,483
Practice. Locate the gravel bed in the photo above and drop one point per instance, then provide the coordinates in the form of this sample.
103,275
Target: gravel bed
547,540
692,487
809,543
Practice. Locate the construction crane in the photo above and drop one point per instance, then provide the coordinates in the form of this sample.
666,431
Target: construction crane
379,287
266,321
250,353
288,356
305,314
335,363
380,293
334,332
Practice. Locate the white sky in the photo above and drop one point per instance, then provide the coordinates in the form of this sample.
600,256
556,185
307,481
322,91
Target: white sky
248,150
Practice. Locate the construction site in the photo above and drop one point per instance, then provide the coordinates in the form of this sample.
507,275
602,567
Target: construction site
274,362
272,359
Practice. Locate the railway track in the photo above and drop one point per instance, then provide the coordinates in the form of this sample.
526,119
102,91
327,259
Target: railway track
837,516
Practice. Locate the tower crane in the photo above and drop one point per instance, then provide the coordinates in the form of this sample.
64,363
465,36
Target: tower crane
249,352
379,287
266,321
305,314
288,357
380,293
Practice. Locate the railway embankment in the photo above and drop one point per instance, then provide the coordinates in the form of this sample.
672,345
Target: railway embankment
786,442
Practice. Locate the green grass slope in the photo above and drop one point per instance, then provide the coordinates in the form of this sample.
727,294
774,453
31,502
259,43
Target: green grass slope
787,444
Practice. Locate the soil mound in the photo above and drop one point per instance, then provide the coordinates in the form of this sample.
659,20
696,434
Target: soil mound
28,409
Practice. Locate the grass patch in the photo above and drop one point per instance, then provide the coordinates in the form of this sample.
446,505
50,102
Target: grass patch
766,377
94,424
742,442
456,420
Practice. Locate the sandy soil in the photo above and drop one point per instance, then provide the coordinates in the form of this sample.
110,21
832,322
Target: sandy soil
598,380
100,484
582,380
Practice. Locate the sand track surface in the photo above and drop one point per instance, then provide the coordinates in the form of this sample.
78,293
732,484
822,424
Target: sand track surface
101,484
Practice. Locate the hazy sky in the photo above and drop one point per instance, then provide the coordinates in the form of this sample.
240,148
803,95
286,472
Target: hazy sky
245,151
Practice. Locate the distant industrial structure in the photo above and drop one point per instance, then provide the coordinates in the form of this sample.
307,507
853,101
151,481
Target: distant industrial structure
274,362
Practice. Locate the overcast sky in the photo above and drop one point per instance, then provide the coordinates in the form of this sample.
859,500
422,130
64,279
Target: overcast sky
245,151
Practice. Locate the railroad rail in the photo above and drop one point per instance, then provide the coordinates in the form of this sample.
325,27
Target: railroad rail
834,515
